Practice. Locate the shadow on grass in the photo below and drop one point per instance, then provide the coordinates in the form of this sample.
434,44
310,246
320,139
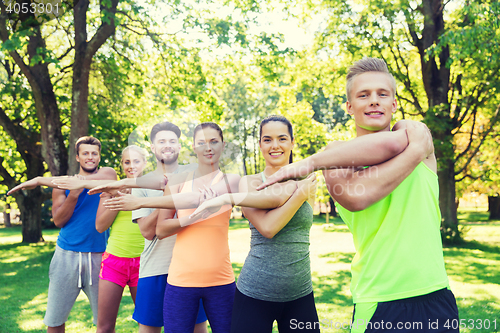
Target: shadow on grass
322,219
23,277
336,228
474,263
238,224
343,257
475,245
473,216
24,281
479,315
329,289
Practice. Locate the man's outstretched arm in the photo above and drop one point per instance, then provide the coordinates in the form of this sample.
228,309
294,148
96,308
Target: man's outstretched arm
369,149
357,190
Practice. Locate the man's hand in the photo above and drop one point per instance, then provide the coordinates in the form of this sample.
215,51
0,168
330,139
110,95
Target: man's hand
419,138
69,183
307,187
207,193
297,170
28,185
209,207
112,188
122,201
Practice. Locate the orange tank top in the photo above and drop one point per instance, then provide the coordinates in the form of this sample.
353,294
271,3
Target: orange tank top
201,253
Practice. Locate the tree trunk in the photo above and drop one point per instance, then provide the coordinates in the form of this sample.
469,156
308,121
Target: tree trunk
447,203
30,207
494,207
80,89
84,53
436,80
6,216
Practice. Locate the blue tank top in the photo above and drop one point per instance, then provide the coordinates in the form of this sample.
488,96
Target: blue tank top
79,233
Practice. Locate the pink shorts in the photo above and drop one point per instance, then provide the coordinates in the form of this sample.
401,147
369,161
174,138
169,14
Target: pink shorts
122,271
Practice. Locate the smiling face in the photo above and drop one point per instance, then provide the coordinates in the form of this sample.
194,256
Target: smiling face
133,163
276,143
208,146
371,102
166,147
88,156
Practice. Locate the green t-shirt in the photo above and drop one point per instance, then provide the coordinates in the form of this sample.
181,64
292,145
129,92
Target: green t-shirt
125,239
398,242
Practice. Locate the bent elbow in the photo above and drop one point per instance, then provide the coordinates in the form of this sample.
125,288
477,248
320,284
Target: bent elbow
100,230
58,223
268,232
148,235
354,204
268,235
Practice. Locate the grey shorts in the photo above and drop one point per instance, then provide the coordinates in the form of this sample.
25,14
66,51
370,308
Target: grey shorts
69,273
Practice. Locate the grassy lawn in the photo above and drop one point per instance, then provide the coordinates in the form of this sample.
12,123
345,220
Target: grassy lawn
473,269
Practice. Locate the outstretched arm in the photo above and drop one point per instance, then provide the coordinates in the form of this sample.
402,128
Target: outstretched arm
32,183
365,150
270,222
102,173
271,197
152,180
167,225
357,190
174,201
75,183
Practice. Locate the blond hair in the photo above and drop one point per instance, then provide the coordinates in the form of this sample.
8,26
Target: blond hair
366,65
141,151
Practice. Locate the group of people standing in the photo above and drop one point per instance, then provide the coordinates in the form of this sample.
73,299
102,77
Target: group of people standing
181,274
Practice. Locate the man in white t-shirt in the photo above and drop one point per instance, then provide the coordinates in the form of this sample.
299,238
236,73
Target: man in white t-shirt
157,254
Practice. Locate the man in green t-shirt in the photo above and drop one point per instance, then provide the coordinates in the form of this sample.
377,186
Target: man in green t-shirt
399,281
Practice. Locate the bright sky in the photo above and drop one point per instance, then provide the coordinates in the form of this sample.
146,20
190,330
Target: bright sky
273,20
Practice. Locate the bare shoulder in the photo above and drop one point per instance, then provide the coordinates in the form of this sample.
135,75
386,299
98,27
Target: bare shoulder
233,177
107,173
178,178
250,182
233,181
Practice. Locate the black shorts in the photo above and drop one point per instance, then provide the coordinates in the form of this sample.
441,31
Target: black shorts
433,313
252,315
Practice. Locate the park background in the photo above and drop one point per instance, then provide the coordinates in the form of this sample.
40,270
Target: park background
112,68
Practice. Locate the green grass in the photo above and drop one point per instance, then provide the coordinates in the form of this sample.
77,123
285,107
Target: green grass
473,269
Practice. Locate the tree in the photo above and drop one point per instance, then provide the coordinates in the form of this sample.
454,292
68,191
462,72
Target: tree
60,71
447,64
27,57
483,176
